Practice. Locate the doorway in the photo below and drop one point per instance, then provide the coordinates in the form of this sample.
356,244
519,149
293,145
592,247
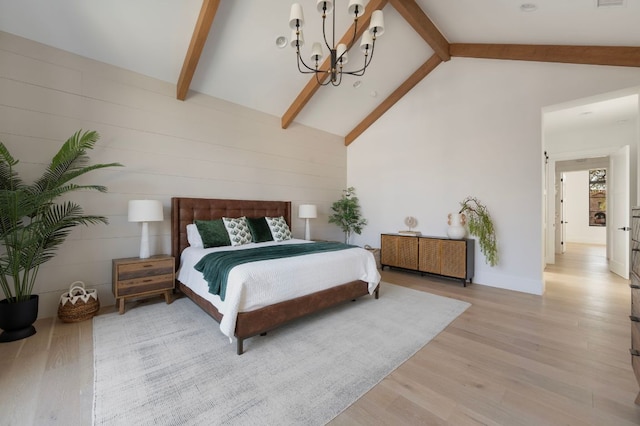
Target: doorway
590,131
575,220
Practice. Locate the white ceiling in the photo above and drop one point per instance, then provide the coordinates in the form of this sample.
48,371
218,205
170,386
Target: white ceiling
242,64
621,110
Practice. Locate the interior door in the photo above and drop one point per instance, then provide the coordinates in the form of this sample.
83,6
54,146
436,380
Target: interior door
618,221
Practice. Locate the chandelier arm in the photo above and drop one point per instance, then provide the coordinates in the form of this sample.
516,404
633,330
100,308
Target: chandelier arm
324,23
353,39
318,79
367,62
311,70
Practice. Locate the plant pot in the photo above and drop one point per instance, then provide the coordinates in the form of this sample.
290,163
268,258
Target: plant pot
17,318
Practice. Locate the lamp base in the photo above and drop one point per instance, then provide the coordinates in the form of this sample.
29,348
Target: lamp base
144,241
307,231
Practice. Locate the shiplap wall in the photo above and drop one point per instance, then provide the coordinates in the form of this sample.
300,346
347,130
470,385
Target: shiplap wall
203,147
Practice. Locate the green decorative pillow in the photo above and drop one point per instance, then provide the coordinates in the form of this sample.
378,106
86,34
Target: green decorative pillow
213,233
238,230
260,231
279,228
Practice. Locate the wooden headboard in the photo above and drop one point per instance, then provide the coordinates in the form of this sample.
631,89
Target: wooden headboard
185,210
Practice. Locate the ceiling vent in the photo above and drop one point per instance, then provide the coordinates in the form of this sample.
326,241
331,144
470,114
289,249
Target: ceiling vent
609,3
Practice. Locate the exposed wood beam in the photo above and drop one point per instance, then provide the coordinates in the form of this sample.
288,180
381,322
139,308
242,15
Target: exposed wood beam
312,86
421,23
198,39
591,55
404,88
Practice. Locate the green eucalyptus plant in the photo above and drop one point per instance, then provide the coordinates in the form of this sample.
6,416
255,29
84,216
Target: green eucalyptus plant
481,225
346,214
32,224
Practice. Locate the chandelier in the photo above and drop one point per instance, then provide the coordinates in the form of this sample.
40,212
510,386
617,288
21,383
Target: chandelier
338,53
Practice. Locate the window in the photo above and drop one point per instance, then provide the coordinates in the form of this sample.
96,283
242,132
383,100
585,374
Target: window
598,197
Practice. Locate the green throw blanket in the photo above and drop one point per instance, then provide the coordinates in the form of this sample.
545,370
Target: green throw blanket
215,267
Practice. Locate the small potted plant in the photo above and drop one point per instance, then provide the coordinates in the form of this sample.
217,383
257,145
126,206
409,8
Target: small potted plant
481,225
33,225
346,214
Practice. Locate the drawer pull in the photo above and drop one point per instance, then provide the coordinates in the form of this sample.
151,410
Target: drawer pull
634,352
634,318
636,286
148,265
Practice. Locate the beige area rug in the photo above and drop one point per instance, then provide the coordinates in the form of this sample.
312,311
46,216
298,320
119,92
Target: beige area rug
170,364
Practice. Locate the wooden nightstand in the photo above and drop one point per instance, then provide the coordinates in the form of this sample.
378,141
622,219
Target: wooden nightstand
135,277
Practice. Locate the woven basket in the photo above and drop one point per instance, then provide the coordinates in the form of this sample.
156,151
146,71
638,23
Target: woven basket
376,255
78,304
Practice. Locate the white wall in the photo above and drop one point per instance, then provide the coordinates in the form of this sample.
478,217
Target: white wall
576,211
202,147
572,141
472,127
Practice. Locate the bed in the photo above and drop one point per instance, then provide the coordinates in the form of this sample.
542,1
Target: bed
256,321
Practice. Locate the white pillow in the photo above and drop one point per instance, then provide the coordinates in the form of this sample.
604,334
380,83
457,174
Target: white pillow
279,228
238,230
193,236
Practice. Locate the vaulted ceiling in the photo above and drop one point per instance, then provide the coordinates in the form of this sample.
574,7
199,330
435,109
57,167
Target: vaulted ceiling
227,48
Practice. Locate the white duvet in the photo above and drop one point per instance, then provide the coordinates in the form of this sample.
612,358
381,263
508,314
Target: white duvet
258,284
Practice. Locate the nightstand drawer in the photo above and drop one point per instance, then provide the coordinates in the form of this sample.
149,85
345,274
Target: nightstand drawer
145,285
130,271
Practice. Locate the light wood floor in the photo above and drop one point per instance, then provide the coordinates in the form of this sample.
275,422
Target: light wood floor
510,359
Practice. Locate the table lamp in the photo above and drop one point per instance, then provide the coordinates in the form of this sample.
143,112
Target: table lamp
306,212
145,211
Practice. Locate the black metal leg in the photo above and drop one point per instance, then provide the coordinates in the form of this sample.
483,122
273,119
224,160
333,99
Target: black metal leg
239,349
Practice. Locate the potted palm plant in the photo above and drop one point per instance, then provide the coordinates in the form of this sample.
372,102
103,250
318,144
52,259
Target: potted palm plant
346,214
481,225
33,225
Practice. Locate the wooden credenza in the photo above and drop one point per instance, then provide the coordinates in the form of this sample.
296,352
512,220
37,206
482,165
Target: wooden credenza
432,255
634,276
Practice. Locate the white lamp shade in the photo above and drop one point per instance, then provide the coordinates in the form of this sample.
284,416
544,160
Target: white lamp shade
377,23
320,4
342,51
316,52
145,211
296,16
367,42
356,4
307,211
